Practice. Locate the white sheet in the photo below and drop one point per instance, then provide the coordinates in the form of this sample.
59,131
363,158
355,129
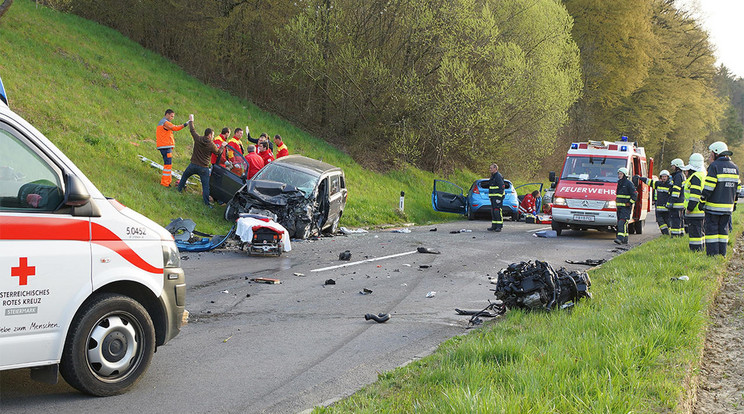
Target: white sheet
245,230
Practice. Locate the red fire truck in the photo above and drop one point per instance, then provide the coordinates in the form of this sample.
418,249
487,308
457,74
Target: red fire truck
585,191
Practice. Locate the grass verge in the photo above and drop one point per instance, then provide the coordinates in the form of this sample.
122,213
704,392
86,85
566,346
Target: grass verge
632,348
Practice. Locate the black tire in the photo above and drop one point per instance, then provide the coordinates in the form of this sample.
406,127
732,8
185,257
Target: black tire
632,228
639,226
557,227
471,215
109,346
229,212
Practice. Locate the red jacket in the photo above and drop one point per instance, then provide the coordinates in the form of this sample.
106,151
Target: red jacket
527,205
255,163
236,145
266,156
218,140
282,151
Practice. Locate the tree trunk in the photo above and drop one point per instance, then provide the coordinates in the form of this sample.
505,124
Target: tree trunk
5,6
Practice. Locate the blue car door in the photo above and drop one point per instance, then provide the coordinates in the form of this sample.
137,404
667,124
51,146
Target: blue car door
448,197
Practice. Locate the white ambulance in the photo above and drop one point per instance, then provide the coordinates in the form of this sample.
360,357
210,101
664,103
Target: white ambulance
88,287
584,195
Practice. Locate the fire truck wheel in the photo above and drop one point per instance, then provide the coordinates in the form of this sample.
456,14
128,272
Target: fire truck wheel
639,226
557,227
109,346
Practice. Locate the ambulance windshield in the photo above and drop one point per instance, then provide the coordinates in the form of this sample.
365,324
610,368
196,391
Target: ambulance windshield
592,168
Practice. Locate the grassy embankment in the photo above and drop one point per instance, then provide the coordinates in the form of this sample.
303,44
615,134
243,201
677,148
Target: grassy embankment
635,347
98,97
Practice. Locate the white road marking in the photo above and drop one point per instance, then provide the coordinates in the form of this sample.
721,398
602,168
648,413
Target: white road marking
363,261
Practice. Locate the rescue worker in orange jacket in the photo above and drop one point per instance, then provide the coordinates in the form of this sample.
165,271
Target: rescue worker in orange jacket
281,147
235,143
528,206
218,140
165,143
255,163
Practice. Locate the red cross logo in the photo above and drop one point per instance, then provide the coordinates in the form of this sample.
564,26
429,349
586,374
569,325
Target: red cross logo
23,271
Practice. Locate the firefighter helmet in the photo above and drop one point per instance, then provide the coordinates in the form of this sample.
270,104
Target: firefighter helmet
720,148
623,170
663,173
677,162
697,162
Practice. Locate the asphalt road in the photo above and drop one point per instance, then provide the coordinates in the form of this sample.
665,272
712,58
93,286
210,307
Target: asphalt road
285,348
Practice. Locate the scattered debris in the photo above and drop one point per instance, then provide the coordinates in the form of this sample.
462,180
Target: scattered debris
403,230
684,278
537,285
434,229
330,282
421,249
225,291
184,257
227,339
424,266
588,262
497,307
299,274
365,291
379,318
266,280
545,233
461,231
247,295
185,236
431,294
346,255
346,231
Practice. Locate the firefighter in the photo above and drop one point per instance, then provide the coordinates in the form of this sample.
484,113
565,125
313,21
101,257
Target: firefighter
496,195
662,186
694,213
625,197
676,202
165,143
720,192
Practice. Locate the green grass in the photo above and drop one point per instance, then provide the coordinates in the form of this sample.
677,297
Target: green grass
629,349
98,97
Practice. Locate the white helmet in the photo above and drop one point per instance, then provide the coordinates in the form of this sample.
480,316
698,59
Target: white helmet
677,162
720,148
697,162
663,173
623,170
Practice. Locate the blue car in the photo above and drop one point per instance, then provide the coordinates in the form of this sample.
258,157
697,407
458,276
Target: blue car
450,198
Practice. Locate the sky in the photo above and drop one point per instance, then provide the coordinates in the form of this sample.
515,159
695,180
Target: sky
723,21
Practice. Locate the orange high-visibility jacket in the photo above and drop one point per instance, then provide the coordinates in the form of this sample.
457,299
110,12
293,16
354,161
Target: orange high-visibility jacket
164,134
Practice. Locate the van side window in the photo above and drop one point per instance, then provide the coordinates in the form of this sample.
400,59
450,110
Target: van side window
27,182
335,184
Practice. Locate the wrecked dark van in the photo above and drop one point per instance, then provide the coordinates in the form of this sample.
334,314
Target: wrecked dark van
304,195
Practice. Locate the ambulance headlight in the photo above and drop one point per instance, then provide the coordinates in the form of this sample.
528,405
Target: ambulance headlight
171,257
610,204
559,201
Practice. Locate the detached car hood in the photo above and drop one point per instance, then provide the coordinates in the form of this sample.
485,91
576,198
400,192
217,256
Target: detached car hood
284,203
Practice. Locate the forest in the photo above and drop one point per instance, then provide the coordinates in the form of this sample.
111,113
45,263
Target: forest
454,84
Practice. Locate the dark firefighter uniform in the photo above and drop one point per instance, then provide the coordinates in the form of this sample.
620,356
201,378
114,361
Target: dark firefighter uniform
496,196
662,193
694,213
676,204
719,193
625,197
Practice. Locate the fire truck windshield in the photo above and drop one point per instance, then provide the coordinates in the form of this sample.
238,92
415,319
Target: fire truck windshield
592,168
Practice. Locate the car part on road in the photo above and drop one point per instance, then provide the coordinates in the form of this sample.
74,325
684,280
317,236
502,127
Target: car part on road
365,291
185,236
379,318
422,249
266,280
498,309
329,282
550,234
537,286
345,255
431,294
588,262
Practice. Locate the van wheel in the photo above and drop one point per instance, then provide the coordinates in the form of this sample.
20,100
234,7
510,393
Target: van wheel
109,345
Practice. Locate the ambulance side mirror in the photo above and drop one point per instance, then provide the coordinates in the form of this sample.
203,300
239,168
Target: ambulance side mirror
551,176
76,194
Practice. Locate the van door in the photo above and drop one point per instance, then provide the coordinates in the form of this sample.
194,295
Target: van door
336,197
45,256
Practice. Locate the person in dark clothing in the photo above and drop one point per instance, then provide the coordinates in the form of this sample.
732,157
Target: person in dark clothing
663,187
496,195
720,193
204,147
256,140
694,214
676,203
625,196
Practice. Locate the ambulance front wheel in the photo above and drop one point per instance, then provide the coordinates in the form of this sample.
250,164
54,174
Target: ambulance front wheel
109,346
